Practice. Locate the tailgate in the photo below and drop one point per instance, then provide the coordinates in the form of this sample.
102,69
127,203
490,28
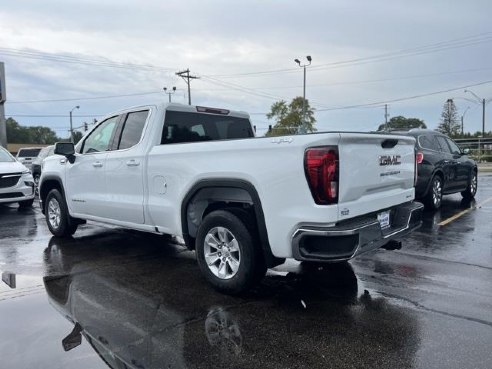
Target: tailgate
375,172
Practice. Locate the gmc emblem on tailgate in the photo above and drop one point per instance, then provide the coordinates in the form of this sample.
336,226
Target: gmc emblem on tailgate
389,160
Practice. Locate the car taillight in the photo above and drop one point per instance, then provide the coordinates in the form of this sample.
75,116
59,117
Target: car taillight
321,167
420,157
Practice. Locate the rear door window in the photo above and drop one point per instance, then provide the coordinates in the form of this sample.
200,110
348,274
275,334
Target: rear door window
429,142
132,129
180,127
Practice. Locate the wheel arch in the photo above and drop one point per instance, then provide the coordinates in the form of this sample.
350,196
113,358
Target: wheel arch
212,194
49,183
437,172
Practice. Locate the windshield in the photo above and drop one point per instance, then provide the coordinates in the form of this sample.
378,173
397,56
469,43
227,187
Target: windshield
5,156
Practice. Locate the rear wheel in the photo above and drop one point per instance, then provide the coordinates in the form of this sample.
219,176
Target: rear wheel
471,190
227,252
433,198
59,221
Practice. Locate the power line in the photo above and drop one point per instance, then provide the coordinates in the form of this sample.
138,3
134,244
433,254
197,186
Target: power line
102,62
84,98
420,50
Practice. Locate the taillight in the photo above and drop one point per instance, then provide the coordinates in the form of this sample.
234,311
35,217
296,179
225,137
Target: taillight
419,158
321,167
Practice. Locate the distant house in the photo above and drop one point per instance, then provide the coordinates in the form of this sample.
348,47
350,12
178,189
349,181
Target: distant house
14,148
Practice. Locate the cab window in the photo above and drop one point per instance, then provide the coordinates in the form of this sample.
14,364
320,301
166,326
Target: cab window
132,129
443,144
99,140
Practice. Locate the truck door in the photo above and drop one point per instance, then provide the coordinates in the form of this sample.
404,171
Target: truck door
125,171
85,177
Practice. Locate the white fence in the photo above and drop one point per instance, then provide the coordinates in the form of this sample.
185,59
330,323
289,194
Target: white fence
481,148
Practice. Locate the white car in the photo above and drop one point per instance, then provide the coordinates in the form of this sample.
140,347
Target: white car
26,155
16,182
243,203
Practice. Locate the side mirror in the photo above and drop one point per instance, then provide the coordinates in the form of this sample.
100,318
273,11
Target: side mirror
466,151
64,148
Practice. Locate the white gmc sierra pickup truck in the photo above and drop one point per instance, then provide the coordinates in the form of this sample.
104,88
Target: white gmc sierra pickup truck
243,203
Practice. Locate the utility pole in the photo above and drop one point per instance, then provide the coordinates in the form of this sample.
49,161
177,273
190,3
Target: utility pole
386,115
462,120
185,74
483,102
3,98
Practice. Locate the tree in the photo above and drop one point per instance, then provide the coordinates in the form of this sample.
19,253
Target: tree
77,136
29,135
401,122
288,118
450,122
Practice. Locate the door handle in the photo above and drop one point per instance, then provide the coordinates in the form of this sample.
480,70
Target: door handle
133,163
97,164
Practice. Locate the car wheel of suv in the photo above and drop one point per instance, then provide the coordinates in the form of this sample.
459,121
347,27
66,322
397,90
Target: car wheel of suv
433,198
59,221
471,190
227,252
26,204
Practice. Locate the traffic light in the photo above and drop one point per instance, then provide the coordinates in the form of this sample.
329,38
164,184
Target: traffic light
86,127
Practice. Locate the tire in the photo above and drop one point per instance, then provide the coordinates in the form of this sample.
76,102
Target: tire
36,184
471,190
26,204
228,253
433,198
60,223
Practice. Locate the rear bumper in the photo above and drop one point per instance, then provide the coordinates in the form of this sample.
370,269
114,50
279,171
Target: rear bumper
348,239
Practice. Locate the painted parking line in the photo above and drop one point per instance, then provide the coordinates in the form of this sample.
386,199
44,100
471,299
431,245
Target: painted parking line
461,213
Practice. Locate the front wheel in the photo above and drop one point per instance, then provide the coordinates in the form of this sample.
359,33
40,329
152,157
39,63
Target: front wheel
471,190
227,252
59,221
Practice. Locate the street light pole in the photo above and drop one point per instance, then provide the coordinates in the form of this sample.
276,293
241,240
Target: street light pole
462,118
169,93
303,128
71,125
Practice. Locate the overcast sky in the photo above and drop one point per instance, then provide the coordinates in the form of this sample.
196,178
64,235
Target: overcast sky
229,44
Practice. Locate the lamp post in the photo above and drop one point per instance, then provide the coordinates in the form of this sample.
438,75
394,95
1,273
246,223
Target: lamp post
483,102
462,117
169,93
303,128
71,125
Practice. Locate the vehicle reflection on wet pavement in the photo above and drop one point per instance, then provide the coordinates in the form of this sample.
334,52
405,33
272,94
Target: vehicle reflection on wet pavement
110,297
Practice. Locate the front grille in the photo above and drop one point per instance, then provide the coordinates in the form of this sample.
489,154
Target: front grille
11,195
9,180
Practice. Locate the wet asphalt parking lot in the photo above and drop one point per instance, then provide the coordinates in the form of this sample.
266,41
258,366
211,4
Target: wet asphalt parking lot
110,297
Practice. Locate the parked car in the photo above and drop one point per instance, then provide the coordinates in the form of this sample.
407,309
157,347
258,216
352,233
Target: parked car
443,168
37,163
243,203
16,182
26,155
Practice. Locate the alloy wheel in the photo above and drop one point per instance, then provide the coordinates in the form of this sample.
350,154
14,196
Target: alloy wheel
222,253
54,213
436,192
